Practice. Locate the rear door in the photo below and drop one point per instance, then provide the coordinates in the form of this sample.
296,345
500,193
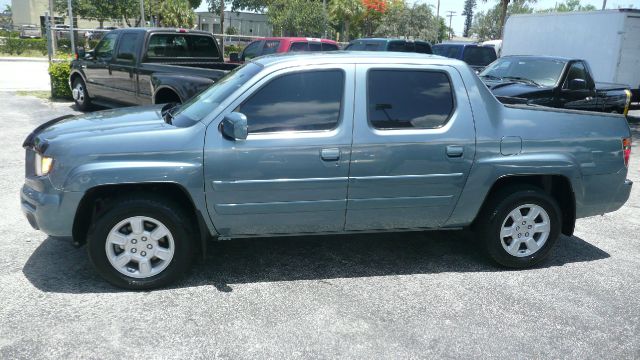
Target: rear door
123,69
290,175
413,146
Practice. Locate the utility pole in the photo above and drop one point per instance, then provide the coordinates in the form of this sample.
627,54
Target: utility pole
324,9
52,19
604,4
438,11
451,14
71,32
143,22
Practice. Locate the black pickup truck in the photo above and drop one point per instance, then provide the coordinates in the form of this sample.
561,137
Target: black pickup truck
554,82
140,66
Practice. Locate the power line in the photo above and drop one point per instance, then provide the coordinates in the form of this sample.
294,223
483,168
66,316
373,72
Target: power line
450,15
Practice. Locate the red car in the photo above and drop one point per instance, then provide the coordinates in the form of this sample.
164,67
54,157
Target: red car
274,45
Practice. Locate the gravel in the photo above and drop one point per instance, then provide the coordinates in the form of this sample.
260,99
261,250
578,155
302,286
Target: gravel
406,295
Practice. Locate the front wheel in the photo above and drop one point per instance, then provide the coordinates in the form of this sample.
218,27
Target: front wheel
141,243
80,95
520,226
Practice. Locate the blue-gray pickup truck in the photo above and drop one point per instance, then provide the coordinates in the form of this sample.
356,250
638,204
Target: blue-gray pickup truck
305,144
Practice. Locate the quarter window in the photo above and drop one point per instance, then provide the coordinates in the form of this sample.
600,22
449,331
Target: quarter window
302,101
400,99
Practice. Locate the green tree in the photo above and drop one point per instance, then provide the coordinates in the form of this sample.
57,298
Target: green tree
177,13
297,17
570,5
469,5
488,25
417,22
504,9
344,13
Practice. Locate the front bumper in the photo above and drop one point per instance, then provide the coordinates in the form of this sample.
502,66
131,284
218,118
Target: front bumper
47,209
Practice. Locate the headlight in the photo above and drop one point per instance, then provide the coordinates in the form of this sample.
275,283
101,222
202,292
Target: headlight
43,164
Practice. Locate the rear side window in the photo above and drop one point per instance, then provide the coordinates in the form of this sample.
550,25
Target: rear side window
329,47
479,56
301,101
298,46
401,99
270,47
127,50
423,48
398,46
181,46
314,46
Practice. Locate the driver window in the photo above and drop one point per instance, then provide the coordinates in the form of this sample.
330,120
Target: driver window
577,71
104,50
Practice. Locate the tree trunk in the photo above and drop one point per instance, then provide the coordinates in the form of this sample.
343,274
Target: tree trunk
346,31
503,16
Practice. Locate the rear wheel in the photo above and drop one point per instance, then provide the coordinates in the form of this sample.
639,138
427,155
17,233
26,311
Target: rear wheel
520,226
141,243
80,94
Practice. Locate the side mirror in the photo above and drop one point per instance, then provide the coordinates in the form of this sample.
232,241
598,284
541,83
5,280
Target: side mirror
234,126
234,57
578,84
90,55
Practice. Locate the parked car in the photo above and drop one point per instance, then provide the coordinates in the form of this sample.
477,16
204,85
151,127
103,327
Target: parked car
273,45
321,144
495,44
30,32
475,55
555,82
609,40
138,66
383,44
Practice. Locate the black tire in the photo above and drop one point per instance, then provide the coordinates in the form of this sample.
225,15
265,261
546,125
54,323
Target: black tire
83,101
497,210
170,214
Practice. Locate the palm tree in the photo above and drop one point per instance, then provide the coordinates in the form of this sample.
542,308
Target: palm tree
177,13
346,11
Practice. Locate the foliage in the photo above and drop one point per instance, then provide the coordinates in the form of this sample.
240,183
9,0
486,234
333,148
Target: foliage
59,74
469,5
417,21
17,46
228,49
570,5
487,25
232,31
344,14
297,17
177,13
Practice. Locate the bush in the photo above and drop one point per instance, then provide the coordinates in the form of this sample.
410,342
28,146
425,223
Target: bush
18,46
59,75
228,49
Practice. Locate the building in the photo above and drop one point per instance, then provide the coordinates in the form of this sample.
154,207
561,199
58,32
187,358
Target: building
243,23
32,12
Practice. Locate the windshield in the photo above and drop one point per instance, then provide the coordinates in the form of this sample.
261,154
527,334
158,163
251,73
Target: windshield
205,103
541,71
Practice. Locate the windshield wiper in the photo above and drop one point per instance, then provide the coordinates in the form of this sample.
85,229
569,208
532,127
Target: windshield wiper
167,112
517,78
491,77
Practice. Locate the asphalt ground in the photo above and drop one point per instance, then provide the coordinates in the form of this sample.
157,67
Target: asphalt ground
406,295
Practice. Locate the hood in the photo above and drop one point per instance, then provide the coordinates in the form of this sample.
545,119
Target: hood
513,88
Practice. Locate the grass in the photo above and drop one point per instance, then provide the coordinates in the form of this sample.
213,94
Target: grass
27,53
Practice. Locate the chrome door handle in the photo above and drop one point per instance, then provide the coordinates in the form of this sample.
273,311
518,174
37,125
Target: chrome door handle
331,154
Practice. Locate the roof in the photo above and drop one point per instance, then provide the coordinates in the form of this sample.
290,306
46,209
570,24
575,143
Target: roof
541,57
387,40
463,44
342,57
164,30
292,39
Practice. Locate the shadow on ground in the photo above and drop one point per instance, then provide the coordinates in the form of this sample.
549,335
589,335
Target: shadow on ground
56,266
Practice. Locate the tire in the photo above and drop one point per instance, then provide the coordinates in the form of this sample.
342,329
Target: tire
80,95
127,232
515,248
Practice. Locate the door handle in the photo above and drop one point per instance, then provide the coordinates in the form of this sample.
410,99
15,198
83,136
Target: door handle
331,154
455,150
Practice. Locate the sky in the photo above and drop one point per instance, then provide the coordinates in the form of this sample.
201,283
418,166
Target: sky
457,22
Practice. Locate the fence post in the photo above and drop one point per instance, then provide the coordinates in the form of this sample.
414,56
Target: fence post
47,24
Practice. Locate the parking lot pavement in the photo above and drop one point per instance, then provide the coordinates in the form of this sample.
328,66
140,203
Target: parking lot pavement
408,295
23,74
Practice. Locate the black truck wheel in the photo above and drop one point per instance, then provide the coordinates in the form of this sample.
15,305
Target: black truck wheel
80,94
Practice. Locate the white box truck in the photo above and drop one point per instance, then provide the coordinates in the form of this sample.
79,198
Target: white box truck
609,40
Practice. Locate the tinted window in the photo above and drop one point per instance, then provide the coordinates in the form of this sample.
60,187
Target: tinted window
252,50
181,45
577,71
398,46
408,99
450,51
313,46
542,71
423,48
105,48
128,46
296,102
365,46
479,56
329,47
298,46
270,47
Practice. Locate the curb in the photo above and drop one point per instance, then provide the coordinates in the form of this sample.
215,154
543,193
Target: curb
27,59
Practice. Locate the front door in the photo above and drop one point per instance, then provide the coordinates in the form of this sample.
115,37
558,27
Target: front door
290,174
123,69
413,146
97,70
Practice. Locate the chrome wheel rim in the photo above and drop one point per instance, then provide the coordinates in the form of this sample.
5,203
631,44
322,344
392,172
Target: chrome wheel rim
140,247
78,93
525,230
